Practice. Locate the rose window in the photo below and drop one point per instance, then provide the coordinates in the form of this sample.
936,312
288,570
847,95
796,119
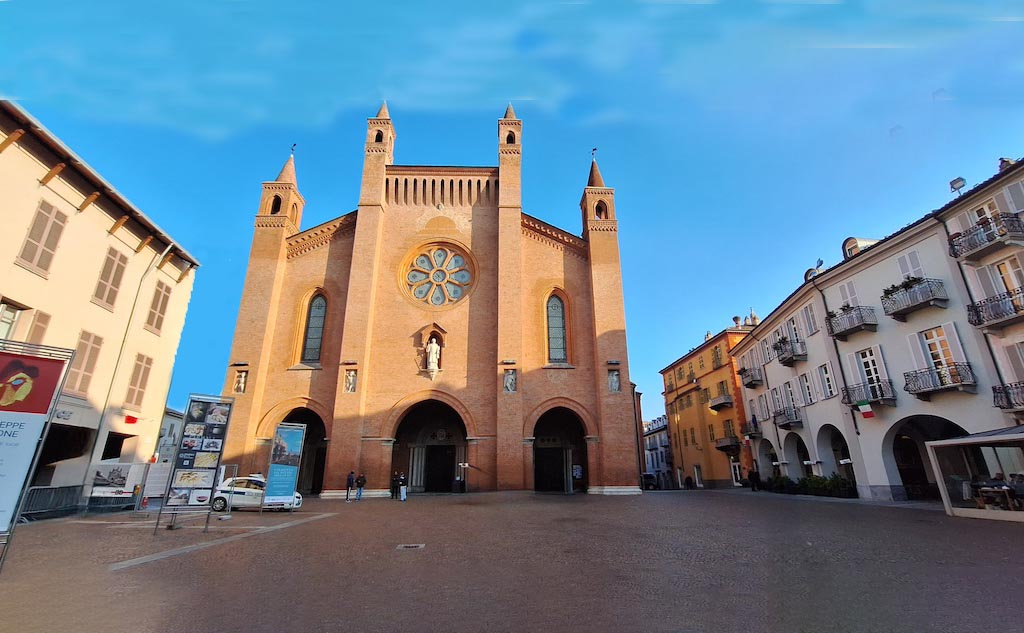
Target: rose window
439,275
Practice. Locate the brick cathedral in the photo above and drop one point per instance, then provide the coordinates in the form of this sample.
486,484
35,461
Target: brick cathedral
436,330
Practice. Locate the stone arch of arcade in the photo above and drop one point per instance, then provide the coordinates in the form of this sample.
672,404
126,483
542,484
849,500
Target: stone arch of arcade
905,457
795,450
832,451
767,459
560,459
313,416
430,443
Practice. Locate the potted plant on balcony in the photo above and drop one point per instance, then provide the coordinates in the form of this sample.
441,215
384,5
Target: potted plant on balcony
910,281
781,344
891,290
742,371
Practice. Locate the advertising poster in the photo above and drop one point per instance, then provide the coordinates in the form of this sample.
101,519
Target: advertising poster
285,456
199,451
27,387
116,480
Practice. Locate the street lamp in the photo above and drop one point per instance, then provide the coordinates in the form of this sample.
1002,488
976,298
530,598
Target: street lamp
465,471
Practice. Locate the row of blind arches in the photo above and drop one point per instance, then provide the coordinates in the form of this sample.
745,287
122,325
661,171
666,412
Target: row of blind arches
556,330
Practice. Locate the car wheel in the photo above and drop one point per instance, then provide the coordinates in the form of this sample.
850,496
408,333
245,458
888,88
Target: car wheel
220,504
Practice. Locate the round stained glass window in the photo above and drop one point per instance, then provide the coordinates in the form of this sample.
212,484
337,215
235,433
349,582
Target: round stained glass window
439,275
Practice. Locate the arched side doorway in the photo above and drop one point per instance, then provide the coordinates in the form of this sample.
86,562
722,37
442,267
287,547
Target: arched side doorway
767,460
833,451
796,454
905,453
429,445
559,452
314,450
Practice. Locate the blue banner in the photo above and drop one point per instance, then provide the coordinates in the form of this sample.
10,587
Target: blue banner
285,457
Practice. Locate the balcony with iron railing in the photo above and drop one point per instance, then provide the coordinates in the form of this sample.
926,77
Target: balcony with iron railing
728,444
720,402
750,429
918,294
924,382
788,418
790,351
989,235
1009,397
751,377
992,314
879,391
850,319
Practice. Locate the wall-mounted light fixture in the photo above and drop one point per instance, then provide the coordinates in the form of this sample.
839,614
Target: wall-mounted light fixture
508,361
846,462
349,362
614,362
956,185
238,364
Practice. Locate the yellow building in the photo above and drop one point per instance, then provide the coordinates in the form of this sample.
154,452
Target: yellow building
707,418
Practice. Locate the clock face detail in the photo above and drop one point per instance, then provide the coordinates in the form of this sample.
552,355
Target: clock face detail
439,275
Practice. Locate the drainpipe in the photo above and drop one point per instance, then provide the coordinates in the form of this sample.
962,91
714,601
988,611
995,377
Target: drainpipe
839,358
117,366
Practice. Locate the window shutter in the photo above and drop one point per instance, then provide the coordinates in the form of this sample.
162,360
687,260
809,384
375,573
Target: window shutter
1016,362
883,373
852,291
856,371
915,264
1016,192
1018,276
954,342
916,351
843,294
904,266
964,221
988,285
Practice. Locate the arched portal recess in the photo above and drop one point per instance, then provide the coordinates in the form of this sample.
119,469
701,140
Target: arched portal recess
767,460
905,453
314,450
833,451
797,456
429,445
559,452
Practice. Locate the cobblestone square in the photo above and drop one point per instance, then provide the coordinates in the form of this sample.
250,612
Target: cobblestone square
666,561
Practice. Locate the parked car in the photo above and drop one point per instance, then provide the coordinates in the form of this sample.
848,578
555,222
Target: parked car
650,481
246,492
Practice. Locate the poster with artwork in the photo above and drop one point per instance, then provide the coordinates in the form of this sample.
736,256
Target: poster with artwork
116,480
28,385
199,452
285,457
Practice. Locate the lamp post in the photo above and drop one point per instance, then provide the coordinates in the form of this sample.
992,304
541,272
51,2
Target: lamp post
465,471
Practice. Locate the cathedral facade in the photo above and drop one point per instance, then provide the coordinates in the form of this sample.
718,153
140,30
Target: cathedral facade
436,331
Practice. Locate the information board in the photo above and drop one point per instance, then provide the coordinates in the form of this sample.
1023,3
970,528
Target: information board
199,452
285,457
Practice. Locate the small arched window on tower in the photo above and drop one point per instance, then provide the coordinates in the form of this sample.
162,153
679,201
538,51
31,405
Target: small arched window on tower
602,210
275,205
510,139
314,329
379,138
556,330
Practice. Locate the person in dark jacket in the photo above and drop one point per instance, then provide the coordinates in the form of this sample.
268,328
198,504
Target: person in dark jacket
350,483
754,477
360,483
394,485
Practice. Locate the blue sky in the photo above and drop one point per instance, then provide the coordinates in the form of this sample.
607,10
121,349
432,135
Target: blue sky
745,139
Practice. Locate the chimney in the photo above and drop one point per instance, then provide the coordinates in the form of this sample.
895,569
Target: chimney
1006,163
736,321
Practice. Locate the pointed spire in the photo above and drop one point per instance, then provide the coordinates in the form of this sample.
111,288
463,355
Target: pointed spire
288,172
595,175
509,112
383,112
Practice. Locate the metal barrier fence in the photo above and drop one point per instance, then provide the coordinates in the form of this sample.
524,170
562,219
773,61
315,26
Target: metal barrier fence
51,499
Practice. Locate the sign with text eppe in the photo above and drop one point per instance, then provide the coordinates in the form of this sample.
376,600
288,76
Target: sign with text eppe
28,385
199,452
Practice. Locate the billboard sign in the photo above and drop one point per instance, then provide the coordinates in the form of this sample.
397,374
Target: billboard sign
28,386
199,453
116,480
285,457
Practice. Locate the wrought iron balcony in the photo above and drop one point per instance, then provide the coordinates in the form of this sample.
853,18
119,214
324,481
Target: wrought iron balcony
790,351
1009,397
1005,229
751,377
880,391
922,294
788,418
924,382
994,313
720,402
728,444
750,429
850,320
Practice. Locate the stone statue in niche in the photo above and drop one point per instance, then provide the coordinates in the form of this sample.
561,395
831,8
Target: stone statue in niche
613,381
350,381
510,381
433,353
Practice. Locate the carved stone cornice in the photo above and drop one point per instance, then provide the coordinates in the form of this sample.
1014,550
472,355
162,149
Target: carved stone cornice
554,237
510,149
510,122
602,225
600,191
321,235
376,148
273,222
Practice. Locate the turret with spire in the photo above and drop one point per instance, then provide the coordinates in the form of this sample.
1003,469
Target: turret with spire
379,153
598,202
281,196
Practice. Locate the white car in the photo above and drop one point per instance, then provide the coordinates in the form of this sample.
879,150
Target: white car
246,492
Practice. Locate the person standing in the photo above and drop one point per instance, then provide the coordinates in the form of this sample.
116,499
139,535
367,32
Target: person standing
350,483
394,485
360,483
402,488
755,479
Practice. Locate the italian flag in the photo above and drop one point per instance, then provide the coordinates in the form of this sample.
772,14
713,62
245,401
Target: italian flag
865,409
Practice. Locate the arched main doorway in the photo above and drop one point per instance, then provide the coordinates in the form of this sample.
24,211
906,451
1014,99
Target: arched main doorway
559,452
833,451
909,457
314,450
797,456
429,445
767,460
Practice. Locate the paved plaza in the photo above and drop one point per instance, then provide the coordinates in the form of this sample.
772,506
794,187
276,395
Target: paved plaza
666,561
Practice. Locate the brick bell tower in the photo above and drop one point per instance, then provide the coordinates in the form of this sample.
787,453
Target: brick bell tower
600,230
277,217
